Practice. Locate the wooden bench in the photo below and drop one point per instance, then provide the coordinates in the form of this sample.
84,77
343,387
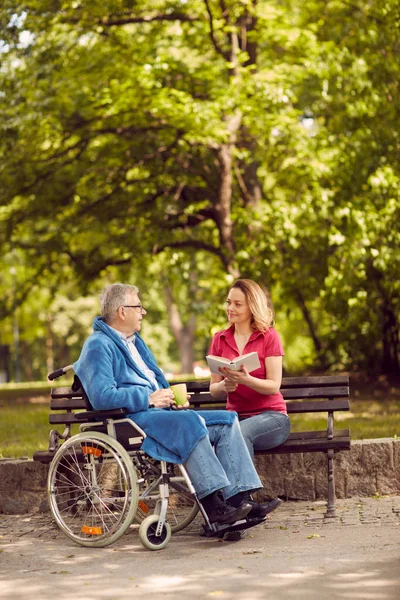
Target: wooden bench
303,395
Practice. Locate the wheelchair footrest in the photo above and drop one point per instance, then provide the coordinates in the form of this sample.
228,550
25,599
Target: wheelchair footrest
218,530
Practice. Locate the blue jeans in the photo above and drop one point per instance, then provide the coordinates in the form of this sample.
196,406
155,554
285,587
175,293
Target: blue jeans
221,461
264,431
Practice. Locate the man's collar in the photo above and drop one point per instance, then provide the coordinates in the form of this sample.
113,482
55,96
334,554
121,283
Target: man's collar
127,338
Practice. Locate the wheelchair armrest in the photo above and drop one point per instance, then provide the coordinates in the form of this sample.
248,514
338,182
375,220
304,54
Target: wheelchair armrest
96,415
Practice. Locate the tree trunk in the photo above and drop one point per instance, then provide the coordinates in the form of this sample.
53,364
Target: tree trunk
184,334
223,204
312,329
390,340
49,346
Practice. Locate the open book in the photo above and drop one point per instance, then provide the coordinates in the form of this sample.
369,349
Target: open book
250,361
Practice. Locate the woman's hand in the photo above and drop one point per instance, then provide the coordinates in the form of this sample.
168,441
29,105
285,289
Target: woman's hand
163,398
228,386
234,378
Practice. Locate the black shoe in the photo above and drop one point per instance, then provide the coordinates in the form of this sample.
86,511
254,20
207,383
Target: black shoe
263,509
219,511
257,510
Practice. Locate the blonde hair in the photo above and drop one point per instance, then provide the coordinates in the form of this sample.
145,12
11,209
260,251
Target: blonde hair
262,313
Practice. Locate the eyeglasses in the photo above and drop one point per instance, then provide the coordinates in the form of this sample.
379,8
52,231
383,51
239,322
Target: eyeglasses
139,307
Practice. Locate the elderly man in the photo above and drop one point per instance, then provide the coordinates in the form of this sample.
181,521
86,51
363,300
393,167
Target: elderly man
117,370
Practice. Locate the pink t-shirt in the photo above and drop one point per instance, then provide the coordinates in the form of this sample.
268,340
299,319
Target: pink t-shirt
245,401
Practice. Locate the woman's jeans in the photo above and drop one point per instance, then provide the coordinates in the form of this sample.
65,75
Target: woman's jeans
264,431
221,461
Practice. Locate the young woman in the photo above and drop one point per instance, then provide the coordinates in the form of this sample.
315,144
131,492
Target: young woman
254,396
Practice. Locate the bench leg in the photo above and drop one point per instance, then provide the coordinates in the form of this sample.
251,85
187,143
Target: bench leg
330,509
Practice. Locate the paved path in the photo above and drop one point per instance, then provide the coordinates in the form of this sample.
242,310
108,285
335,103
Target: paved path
297,554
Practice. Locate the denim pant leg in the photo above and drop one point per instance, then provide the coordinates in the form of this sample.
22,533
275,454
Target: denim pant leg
264,431
205,470
227,467
233,455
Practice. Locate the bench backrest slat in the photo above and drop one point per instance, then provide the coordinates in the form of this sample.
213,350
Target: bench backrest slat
310,435
294,407
319,381
65,392
303,395
67,403
316,392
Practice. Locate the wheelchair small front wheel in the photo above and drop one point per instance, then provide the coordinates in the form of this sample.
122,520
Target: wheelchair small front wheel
147,533
182,506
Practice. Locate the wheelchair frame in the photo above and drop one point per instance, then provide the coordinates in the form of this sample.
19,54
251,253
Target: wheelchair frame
100,481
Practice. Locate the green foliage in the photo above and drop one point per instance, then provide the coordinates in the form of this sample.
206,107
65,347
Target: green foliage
181,144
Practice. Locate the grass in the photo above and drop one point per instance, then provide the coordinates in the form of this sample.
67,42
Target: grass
24,428
375,413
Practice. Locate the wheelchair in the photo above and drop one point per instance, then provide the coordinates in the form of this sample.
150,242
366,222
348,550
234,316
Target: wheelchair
100,482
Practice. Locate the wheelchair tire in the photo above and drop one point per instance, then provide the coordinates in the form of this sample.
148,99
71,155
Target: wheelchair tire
182,507
92,488
147,533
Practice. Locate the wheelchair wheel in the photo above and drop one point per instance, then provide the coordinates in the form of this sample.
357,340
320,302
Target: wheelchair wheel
147,533
92,488
182,507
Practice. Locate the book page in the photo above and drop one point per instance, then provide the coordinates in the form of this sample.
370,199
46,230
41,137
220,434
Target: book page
250,361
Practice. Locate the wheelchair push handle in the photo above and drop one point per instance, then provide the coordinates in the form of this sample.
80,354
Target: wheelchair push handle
59,372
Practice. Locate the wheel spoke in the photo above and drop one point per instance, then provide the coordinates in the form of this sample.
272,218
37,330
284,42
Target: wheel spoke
93,489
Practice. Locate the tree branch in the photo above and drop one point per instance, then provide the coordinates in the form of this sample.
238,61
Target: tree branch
113,21
212,33
197,244
173,221
175,16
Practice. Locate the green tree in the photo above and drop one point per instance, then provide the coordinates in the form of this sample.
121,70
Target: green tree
252,132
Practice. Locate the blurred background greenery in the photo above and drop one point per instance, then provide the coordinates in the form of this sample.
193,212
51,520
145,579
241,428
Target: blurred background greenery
179,145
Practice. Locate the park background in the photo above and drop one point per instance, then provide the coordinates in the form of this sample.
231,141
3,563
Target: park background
178,145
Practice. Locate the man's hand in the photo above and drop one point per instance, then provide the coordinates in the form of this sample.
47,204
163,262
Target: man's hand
180,406
163,398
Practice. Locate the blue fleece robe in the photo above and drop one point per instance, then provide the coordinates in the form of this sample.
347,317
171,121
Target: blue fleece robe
112,379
